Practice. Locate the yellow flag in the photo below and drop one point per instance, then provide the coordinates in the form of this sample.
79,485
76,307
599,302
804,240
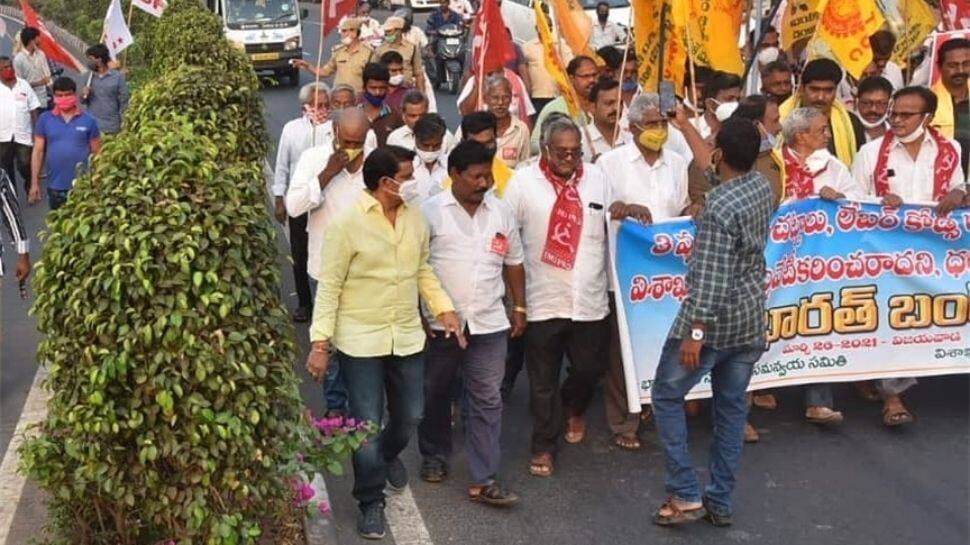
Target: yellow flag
675,44
917,21
845,26
553,63
646,40
575,27
715,26
798,22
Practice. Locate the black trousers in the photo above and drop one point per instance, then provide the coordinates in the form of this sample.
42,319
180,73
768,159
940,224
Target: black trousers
546,342
298,248
14,155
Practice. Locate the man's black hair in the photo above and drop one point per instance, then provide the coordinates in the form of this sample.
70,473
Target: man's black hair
391,57
602,86
477,122
752,108
721,81
576,63
739,141
929,97
612,56
821,70
64,83
468,153
413,96
950,45
882,43
28,34
779,65
874,83
100,52
429,126
376,72
384,162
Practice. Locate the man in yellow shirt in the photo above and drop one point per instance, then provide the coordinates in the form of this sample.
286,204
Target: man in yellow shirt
367,309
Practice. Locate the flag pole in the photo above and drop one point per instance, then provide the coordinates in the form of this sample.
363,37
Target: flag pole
695,120
584,125
131,11
619,90
316,73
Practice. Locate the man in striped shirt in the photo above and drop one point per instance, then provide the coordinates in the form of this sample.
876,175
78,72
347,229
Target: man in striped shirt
14,223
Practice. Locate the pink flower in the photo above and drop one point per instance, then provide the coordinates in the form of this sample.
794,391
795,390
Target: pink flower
324,508
351,422
299,457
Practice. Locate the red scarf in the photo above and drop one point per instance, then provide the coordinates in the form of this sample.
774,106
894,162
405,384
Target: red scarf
947,159
566,220
799,182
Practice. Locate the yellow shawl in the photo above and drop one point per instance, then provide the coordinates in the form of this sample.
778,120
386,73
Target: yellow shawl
944,119
842,132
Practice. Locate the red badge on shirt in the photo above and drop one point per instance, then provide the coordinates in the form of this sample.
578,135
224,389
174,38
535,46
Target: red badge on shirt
509,153
500,245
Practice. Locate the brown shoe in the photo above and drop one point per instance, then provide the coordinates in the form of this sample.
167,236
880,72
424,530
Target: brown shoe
823,416
750,434
765,402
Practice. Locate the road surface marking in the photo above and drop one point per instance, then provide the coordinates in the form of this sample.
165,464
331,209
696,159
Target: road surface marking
405,519
11,482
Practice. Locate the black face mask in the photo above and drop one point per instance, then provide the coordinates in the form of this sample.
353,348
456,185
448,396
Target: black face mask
782,98
602,18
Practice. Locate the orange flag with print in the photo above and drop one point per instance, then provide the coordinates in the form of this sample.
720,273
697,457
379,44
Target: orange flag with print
715,26
798,22
845,26
675,43
575,27
553,63
646,40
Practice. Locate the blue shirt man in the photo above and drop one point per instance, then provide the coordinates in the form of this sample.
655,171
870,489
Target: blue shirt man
64,139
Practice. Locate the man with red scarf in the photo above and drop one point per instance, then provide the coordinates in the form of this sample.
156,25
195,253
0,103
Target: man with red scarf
912,163
807,166
560,204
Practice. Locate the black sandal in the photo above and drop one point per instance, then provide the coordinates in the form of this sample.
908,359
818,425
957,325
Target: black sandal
677,516
493,494
433,471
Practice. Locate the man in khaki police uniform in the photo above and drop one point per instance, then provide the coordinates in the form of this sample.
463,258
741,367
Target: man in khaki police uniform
347,60
395,41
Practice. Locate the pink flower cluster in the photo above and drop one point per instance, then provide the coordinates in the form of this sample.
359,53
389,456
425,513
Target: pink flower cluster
303,493
338,424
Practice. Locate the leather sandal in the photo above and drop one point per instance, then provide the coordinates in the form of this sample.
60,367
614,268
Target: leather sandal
541,465
492,494
575,429
676,515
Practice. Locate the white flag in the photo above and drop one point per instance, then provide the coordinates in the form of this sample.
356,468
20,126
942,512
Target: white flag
116,34
154,7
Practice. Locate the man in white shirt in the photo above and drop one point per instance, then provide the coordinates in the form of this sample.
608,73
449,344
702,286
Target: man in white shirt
474,243
31,64
647,183
873,106
413,107
560,204
19,108
883,43
512,134
299,135
326,181
605,32
807,166
912,163
430,160
599,136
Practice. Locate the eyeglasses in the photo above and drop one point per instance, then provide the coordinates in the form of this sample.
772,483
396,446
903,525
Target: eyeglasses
566,154
903,116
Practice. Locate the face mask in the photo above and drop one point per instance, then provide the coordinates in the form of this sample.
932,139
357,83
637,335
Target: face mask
913,136
653,139
768,55
373,100
346,40
402,187
390,38
353,153
724,110
94,66
602,18
629,86
817,160
65,104
8,74
879,123
396,80
768,143
428,156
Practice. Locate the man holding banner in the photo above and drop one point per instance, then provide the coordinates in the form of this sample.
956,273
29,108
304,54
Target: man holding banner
720,329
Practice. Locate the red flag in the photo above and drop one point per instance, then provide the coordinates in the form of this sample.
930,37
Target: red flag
492,46
48,44
956,14
332,11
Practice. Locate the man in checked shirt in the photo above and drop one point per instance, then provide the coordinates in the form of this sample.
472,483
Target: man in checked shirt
15,228
720,329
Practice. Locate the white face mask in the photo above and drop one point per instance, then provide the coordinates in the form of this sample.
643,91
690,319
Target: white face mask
428,156
396,80
915,135
724,110
817,160
879,123
346,40
768,55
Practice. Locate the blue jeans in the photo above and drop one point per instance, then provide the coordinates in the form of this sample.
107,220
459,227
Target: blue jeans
730,374
333,388
56,198
367,380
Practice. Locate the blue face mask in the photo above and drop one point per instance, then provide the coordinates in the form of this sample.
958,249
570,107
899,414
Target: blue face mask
629,86
374,101
768,143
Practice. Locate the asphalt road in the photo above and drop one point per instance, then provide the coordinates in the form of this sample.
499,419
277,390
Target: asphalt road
856,485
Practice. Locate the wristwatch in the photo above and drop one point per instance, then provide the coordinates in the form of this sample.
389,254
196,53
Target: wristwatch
697,334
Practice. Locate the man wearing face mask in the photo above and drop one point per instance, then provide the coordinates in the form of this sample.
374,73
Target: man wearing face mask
474,245
348,59
106,95
776,80
606,116
327,180
913,162
410,54
820,80
430,161
629,85
414,107
605,32
64,138
397,86
299,135
19,110
583,75
807,167
647,183
375,270
720,329
873,106
721,96
768,52
383,119
560,204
